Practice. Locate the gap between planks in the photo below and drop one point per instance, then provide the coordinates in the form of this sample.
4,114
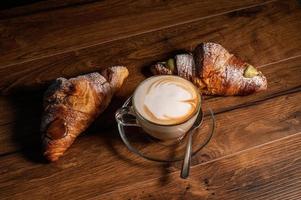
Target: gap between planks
44,10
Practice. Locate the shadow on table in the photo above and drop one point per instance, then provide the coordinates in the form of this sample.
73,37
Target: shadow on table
107,125
26,125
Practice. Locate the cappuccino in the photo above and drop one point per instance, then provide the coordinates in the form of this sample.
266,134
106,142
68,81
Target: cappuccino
166,100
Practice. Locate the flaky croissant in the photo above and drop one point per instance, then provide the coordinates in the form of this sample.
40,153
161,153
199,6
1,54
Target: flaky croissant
214,71
71,105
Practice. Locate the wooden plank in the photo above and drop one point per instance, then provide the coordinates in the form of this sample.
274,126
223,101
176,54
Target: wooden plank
20,113
256,27
42,34
100,163
271,171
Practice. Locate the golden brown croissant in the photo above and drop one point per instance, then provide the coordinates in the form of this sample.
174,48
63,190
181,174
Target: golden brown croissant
214,71
70,106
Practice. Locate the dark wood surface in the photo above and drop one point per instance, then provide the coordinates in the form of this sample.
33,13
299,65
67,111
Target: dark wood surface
255,152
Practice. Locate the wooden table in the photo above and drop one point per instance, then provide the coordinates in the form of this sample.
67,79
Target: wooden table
256,150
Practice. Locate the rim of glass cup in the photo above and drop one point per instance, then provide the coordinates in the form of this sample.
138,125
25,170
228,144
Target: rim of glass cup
157,124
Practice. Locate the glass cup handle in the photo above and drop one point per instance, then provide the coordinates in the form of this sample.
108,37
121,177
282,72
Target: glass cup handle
125,116
123,121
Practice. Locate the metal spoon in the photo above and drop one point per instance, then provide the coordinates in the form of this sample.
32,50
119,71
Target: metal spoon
187,158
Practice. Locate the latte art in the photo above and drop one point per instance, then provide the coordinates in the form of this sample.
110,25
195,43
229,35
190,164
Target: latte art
166,100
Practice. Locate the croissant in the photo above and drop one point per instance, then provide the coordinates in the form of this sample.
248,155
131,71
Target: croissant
214,71
71,105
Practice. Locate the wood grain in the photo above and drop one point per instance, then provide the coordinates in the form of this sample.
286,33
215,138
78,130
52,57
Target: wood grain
271,171
42,34
268,33
106,165
20,113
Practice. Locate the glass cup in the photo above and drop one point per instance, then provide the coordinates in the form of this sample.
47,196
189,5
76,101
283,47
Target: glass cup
129,116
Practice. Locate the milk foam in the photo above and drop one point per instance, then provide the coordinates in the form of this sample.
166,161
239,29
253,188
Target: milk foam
166,99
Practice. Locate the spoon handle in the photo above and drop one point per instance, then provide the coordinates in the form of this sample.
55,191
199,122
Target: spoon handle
187,158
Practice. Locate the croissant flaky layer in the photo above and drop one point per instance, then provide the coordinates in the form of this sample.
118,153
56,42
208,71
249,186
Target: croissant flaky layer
214,71
71,105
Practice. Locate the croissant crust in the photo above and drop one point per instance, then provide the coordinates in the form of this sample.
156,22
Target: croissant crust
215,71
71,105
